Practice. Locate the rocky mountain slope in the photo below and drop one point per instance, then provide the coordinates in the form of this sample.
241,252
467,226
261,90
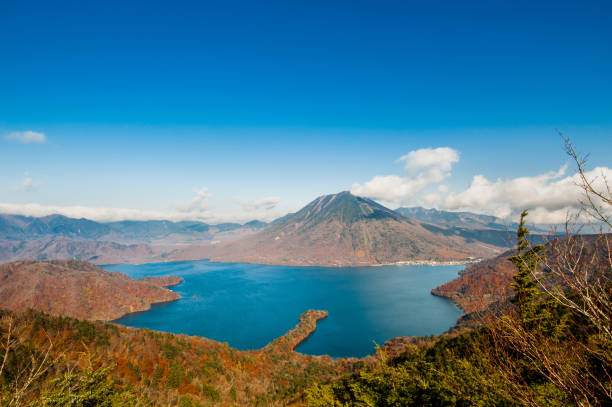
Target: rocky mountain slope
343,229
78,289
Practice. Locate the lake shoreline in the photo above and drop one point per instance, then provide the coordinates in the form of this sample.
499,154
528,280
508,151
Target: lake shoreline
374,265
249,306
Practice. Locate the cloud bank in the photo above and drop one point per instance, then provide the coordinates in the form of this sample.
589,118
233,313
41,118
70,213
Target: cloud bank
423,167
92,213
26,137
549,196
195,209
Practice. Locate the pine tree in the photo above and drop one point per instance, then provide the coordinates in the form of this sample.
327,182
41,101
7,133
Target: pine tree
528,298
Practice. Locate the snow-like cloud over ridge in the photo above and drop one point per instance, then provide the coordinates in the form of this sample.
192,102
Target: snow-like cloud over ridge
423,167
549,196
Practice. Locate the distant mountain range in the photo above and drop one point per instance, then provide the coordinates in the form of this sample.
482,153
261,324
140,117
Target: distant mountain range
343,229
16,227
60,247
468,220
338,229
57,237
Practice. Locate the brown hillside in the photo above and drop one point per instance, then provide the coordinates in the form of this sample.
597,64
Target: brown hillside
77,289
488,282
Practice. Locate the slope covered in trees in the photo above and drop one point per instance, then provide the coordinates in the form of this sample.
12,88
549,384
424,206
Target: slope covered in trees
550,347
78,289
488,282
103,361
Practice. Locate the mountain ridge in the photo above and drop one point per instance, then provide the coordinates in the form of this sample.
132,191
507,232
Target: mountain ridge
19,227
332,230
345,230
464,219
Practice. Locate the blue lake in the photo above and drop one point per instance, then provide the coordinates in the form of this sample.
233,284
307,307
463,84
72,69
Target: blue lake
248,305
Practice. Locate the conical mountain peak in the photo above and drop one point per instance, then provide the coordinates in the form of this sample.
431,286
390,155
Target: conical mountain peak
344,229
342,207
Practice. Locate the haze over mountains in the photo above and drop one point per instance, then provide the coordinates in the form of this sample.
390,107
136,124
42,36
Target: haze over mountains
338,229
466,220
452,219
17,227
59,237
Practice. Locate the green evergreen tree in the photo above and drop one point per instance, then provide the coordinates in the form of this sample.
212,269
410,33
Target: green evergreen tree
528,297
534,309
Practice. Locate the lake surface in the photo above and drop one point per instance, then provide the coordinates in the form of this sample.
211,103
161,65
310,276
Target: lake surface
249,305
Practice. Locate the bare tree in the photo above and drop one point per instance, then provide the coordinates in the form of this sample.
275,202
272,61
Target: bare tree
575,278
597,200
37,361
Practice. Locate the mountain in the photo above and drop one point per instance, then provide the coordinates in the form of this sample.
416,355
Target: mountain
57,248
154,229
466,220
25,228
256,224
77,289
17,227
343,229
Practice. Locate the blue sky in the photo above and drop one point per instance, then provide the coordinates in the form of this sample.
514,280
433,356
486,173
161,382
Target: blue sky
267,105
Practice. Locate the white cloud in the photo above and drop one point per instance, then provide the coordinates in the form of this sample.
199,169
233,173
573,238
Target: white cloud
93,213
27,185
431,199
549,196
118,214
442,188
266,204
438,159
195,209
198,204
424,167
26,137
